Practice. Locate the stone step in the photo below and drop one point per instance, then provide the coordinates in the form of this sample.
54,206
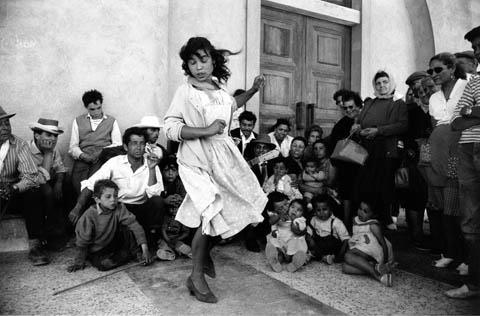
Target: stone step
13,234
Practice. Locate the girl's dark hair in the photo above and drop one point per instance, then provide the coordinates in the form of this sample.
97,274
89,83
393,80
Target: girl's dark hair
380,74
312,128
301,202
219,57
340,93
300,138
370,202
101,185
450,61
324,198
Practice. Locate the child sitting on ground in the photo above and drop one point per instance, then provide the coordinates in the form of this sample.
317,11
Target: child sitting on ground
107,233
330,237
286,242
369,251
280,180
173,233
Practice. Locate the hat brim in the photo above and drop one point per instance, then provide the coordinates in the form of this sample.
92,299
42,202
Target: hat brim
45,128
7,115
269,145
147,126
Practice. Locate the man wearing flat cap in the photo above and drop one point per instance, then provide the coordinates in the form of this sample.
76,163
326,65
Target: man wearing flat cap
19,186
51,173
467,61
466,118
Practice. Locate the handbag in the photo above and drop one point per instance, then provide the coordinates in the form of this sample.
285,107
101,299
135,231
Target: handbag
350,151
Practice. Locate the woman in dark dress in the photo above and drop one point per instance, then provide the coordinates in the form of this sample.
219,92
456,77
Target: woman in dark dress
381,123
352,105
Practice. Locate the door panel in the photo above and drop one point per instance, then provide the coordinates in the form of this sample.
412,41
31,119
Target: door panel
281,64
328,65
304,60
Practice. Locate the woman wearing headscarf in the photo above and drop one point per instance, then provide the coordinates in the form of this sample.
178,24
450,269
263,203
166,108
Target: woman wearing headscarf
380,124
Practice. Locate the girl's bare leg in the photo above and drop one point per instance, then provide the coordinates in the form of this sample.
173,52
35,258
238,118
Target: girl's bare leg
199,251
361,261
349,269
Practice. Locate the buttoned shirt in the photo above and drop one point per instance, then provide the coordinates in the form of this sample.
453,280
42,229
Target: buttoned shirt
284,148
246,140
133,186
18,166
57,166
442,109
75,150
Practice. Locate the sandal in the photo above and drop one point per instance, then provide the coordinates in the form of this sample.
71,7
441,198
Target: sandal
184,250
165,254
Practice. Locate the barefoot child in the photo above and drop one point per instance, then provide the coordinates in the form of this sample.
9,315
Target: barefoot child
286,242
330,236
107,233
173,232
369,251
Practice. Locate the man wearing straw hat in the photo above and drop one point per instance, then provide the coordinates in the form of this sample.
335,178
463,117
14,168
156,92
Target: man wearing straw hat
51,173
151,125
19,186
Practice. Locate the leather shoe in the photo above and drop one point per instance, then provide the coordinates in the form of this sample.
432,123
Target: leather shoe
38,257
252,245
202,297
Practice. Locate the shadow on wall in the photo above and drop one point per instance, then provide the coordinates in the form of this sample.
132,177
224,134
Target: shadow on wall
421,23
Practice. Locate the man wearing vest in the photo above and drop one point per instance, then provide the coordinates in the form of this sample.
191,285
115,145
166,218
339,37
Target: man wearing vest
91,133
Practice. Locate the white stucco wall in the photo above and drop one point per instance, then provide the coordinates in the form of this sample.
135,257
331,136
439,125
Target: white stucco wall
222,22
387,43
52,51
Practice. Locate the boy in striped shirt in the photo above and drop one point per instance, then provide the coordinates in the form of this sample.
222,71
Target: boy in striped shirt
466,118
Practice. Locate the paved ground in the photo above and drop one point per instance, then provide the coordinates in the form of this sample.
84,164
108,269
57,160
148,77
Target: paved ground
245,286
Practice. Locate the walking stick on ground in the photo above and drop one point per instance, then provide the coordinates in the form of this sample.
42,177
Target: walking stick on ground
100,277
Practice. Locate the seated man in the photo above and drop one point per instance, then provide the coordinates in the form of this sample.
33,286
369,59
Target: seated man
19,187
90,134
51,172
139,180
151,126
262,169
245,134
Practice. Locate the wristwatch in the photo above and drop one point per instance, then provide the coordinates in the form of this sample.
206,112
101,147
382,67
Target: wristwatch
468,111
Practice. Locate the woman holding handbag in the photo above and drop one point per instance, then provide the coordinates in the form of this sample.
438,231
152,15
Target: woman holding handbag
346,171
380,124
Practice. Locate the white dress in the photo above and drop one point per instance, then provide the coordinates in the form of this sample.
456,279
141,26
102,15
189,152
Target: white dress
223,194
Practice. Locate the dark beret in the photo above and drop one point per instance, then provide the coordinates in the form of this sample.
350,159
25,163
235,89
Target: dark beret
472,34
415,76
465,54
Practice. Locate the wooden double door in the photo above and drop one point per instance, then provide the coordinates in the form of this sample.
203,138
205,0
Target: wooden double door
304,61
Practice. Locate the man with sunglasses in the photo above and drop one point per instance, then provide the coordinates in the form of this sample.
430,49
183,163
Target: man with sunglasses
466,118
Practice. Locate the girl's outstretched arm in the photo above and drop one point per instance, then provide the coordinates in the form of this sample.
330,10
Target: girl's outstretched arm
244,97
377,232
